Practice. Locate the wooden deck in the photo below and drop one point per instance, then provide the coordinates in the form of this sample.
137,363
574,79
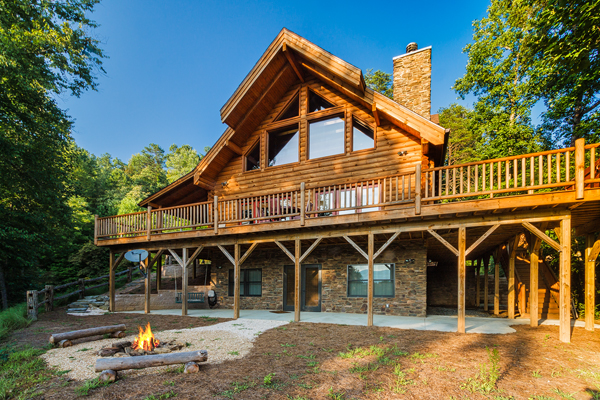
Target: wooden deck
554,179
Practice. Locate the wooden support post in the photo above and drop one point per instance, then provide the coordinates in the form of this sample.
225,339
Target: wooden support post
148,284
478,285
534,265
497,283
111,279
462,247
565,281
370,288
236,277
511,278
590,287
184,283
149,223
49,297
418,189
129,274
159,273
302,203
298,287
486,289
216,214
579,168
96,230
81,286
32,305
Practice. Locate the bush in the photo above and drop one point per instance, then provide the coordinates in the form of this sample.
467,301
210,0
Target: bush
12,319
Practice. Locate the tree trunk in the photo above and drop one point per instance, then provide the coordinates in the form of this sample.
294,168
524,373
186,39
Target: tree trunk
3,293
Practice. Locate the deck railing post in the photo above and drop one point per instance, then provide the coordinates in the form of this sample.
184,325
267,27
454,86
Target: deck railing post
418,189
96,230
302,203
216,214
49,297
32,305
129,274
149,222
579,168
81,288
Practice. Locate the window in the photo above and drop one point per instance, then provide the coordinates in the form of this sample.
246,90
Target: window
326,138
317,103
250,282
283,146
362,136
292,110
383,280
253,157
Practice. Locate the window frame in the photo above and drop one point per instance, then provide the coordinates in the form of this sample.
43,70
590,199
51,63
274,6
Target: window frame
333,113
309,89
243,273
287,124
260,161
367,125
392,279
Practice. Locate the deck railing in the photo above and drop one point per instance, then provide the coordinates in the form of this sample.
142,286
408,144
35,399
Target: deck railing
573,168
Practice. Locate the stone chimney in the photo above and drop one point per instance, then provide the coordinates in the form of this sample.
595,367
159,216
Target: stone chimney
412,79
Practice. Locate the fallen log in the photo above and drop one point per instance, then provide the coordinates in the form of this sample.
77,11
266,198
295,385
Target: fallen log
158,360
101,330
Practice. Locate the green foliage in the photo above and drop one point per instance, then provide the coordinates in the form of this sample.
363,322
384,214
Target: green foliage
88,385
12,319
268,379
380,81
180,161
464,144
21,370
485,380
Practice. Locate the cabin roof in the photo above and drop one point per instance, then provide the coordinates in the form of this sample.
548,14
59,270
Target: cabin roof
287,60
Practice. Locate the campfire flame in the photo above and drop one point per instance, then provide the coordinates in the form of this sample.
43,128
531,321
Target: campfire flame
145,340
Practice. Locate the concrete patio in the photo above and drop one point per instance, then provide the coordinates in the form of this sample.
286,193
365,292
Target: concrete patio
439,323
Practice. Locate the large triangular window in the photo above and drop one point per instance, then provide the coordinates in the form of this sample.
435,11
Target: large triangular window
317,103
292,109
253,157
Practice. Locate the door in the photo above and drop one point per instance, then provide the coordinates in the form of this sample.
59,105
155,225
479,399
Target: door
310,299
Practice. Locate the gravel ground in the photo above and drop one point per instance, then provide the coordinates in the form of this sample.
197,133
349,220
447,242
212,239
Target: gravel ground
225,341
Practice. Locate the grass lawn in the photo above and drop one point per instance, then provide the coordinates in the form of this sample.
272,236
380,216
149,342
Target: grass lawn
321,361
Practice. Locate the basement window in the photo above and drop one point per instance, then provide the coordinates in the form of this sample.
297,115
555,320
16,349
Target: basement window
283,146
250,282
326,137
317,103
383,280
252,158
362,136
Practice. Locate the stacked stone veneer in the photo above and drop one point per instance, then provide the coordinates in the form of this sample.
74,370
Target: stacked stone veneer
410,279
412,81
164,300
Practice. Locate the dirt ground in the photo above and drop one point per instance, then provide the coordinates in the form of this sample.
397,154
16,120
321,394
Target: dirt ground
306,361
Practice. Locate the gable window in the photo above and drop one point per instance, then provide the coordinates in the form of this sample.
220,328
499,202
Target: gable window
383,280
283,146
252,161
326,137
292,110
362,136
317,103
250,282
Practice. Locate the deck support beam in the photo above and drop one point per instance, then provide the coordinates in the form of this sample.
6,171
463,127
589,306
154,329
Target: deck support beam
462,242
371,245
236,277
591,253
534,273
159,274
478,284
565,281
148,284
497,282
486,289
297,281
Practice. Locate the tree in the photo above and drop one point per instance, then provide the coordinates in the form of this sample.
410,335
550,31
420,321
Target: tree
147,169
463,144
380,82
562,44
180,161
500,79
45,50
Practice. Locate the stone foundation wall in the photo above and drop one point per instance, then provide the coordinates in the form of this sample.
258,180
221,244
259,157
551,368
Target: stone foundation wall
164,300
410,279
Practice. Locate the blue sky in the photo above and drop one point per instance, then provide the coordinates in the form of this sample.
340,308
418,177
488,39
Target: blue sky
174,63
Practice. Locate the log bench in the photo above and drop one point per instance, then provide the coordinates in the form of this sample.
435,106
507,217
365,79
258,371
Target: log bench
64,339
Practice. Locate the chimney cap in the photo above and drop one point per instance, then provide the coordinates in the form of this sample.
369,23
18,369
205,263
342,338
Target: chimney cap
412,46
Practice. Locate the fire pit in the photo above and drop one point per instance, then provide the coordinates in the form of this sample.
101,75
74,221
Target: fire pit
144,344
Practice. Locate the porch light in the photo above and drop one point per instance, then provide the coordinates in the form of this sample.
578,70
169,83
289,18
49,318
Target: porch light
224,184
402,153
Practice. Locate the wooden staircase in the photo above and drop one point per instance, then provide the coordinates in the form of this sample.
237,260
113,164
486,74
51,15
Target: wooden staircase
547,288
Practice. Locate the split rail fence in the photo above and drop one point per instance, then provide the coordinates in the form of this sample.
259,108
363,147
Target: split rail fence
49,291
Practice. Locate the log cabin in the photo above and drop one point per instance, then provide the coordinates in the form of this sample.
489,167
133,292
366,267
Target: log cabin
323,195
